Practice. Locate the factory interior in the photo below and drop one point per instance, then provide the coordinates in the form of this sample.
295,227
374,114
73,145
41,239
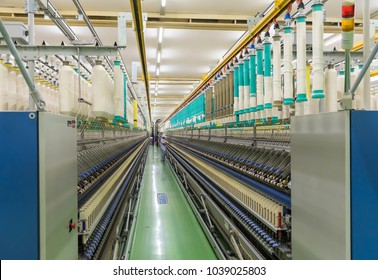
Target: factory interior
188,130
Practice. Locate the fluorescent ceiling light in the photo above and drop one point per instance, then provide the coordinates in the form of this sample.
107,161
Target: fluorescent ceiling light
157,71
155,93
161,31
163,3
158,56
332,40
268,9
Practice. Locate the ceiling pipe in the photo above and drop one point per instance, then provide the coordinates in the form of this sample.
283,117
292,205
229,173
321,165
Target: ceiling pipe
136,8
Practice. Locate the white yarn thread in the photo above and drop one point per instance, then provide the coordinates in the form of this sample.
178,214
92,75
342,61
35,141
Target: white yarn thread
260,90
301,58
331,90
317,50
277,90
288,65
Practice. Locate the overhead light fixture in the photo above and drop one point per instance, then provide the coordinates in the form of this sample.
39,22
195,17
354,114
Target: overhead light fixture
155,93
163,3
158,56
268,9
161,31
158,71
331,40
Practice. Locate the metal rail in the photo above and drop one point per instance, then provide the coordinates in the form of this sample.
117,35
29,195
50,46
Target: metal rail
136,8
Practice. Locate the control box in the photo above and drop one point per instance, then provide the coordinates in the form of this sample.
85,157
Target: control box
38,196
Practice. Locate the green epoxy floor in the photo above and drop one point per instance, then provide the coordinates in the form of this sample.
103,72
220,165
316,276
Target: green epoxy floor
166,231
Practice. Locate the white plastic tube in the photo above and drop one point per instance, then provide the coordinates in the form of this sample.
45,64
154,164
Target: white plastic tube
118,90
241,87
317,51
3,87
277,90
100,91
301,59
12,89
20,91
66,90
260,92
331,90
373,102
268,80
288,66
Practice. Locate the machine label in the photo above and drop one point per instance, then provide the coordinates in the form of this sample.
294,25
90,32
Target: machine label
162,198
71,123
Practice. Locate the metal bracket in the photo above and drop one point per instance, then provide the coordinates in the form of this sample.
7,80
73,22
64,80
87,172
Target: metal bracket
373,26
31,6
122,19
134,71
186,183
252,21
207,213
128,217
233,233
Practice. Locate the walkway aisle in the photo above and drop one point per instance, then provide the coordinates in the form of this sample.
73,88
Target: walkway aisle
166,227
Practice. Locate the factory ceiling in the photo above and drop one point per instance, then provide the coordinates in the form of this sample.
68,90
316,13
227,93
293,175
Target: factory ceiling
194,36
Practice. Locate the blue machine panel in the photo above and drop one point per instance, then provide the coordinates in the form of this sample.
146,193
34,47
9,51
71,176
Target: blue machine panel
19,223
364,184
162,198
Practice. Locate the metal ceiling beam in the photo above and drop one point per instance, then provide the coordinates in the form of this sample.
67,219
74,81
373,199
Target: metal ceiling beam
155,20
169,25
136,8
